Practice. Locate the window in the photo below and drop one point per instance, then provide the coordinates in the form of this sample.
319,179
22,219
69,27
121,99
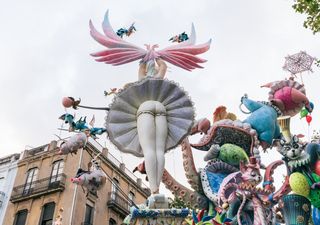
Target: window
112,222
47,214
21,217
114,188
57,169
131,199
30,182
88,219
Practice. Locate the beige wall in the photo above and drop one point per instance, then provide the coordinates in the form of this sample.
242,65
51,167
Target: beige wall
64,199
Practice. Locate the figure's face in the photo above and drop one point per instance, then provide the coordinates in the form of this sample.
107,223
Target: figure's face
76,180
292,150
250,175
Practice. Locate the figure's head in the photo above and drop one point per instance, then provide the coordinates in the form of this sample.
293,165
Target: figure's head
76,180
291,150
251,172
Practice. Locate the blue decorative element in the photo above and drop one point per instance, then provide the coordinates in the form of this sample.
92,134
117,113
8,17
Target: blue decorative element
154,213
263,119
207,218
127,32
215,179
268,182
194,217
316,215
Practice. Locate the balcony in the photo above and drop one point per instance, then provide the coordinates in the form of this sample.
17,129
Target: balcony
118,204
38,188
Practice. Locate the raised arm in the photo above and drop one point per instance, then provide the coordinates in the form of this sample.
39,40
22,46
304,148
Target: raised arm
162,68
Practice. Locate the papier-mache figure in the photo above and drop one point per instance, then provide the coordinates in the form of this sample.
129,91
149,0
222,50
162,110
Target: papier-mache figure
153,115
93,179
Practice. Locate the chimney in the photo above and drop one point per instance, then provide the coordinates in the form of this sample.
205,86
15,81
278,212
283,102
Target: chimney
139,182
105,152
122,166
53,145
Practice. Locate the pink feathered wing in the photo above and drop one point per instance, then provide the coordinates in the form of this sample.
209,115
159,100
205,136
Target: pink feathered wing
120,52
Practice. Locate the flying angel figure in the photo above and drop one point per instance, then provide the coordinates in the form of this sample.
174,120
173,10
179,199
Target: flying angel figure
153,115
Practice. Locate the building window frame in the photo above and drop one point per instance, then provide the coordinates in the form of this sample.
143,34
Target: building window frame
131,198
32,176
23,212
112,221
43,219
57,171
89,214
114,188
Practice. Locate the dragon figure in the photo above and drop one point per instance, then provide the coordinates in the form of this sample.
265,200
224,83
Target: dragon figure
127,32
179,38
81,125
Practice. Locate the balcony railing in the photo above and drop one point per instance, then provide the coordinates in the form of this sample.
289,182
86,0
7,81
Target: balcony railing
37,188
118,203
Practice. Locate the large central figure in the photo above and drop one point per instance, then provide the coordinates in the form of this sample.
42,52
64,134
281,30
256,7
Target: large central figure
153,115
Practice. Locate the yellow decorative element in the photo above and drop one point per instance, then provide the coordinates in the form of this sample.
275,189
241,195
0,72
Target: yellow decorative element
299,184
300,219
305,207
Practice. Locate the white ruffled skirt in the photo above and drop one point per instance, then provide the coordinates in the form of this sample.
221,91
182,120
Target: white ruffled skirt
121,120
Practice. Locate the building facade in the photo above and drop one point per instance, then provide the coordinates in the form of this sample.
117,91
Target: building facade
8,171
43,193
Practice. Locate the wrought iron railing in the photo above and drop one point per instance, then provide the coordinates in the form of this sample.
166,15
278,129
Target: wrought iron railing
118,203
38,188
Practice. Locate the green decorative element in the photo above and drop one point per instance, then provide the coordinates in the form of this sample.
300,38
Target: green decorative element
178,204
315,193
299,184
303,113
312,9
232,154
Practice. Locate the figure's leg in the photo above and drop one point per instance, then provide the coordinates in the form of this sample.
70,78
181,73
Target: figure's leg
147,138
161,138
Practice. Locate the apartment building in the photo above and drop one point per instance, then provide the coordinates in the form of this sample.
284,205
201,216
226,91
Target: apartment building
43,193
8,171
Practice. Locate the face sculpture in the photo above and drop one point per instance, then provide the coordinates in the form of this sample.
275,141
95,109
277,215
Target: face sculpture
251,172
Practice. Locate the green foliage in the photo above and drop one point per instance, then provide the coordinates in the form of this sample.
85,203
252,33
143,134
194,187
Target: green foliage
312,9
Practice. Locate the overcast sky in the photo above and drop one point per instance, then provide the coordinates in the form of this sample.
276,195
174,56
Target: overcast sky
45,47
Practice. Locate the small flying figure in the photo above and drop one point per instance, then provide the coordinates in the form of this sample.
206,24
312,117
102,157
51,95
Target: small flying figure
112,91
82,126
179,38
92,179
127,32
